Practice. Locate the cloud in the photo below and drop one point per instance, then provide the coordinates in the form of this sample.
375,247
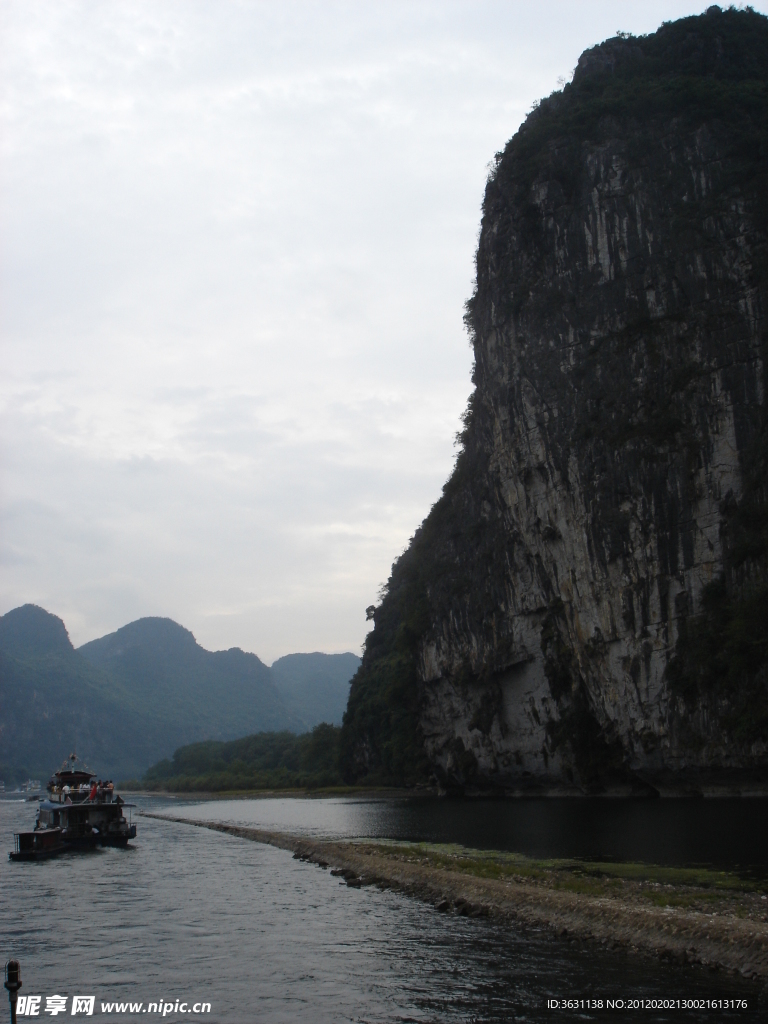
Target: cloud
236,243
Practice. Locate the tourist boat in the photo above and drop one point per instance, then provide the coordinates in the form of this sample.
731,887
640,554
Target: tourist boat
79,813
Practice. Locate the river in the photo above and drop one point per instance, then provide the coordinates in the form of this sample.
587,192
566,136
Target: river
727,834
192,915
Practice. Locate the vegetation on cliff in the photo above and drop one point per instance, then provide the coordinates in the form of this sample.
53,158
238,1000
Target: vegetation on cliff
721,657
381,741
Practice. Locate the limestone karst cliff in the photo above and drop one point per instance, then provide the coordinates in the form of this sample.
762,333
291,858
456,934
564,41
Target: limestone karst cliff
586,604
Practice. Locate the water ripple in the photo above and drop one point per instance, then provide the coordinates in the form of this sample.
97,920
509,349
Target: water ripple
199,915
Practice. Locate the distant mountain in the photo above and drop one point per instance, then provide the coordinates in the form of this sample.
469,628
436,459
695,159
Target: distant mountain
315,686
52,701
201,694
131,698
32,631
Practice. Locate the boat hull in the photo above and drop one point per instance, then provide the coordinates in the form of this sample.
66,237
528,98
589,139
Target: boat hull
120,839
89,842
36,854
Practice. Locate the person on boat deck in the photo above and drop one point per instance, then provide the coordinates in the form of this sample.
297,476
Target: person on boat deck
92,794
65,789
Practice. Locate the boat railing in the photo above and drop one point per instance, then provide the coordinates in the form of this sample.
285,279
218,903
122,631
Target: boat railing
82,797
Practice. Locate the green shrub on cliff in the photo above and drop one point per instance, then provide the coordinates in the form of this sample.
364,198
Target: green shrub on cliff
721,657
381,743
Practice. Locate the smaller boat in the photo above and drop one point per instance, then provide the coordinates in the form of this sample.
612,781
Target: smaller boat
37,845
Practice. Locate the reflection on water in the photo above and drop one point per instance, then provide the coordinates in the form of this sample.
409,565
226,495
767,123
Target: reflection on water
190,913
723,833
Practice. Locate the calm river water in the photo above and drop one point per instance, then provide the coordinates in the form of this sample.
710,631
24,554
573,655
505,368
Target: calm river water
190,914
728,834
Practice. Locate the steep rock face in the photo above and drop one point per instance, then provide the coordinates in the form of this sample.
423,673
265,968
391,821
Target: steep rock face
613,444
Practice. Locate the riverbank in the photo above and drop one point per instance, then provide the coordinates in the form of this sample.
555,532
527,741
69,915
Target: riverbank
689,915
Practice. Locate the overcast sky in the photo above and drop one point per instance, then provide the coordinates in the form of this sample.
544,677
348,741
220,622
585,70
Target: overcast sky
235,243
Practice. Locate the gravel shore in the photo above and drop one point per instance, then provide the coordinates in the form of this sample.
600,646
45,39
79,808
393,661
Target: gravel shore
723,929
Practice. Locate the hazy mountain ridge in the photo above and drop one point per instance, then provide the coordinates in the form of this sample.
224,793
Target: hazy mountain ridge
162,666
297,677
52,700
131,698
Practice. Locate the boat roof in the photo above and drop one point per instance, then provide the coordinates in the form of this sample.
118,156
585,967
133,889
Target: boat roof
68,776
73,768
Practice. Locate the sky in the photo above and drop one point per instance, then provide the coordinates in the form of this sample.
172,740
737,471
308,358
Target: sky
236,240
